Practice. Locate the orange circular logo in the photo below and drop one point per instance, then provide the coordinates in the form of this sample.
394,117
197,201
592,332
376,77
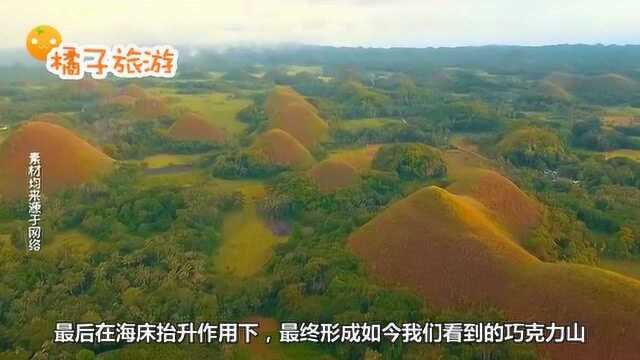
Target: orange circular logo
41,40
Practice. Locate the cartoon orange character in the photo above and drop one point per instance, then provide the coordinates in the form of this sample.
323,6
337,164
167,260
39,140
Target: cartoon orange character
41,40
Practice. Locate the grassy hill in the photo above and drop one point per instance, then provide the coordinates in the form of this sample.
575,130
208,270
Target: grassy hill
554,91
289,111
450,250
511,207
277,147
66,158
603,89
331,175
193,127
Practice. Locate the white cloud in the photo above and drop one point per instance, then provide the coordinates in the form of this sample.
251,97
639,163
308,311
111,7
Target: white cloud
335,22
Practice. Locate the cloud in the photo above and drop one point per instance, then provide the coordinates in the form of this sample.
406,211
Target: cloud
331,22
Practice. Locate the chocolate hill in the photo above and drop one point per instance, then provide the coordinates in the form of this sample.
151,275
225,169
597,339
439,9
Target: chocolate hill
331,175
66,158
450,250
289,111
509,205
193,127
277,147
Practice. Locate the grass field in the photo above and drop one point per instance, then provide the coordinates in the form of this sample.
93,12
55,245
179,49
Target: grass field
182,179
622,116
297,69
160,91
218,108
252,189
625,267
626,153
165,160
372,123
4,239
247,242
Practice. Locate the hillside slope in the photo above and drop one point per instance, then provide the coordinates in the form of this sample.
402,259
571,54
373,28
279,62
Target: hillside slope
278,147
510,206
331,175
66,158
193,127
450,250
289,111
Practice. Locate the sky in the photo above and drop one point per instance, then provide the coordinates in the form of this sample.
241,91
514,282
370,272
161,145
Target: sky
372,23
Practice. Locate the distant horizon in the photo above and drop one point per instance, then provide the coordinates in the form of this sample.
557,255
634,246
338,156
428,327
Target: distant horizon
344,23
284,45
19,56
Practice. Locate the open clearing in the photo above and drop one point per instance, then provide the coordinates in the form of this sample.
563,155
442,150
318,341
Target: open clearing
293,70
220,109
181,179
165,160
370,123
247,241
625,153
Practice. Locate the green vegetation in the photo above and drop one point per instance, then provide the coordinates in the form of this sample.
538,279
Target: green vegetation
168,160
219,108
411,161
247,241
358,124
179,179
489,185
533,147
624,153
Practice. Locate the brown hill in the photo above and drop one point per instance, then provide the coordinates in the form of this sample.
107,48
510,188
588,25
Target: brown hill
283,96
193,127
598,85
449,250
554,91
519,213
331,175
289,111
277,147
66,158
